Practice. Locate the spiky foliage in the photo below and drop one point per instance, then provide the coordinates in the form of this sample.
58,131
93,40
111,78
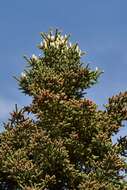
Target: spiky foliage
67,144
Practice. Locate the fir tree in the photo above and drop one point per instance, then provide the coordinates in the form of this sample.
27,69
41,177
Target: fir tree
67,144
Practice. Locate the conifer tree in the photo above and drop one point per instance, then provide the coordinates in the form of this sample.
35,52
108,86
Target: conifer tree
66,143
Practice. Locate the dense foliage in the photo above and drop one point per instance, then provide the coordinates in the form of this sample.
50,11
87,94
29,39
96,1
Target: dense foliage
66,143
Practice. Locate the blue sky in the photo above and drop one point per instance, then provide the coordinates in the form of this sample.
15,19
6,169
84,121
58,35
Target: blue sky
99,26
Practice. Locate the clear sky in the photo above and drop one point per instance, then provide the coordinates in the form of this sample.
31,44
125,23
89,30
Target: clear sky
99,26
